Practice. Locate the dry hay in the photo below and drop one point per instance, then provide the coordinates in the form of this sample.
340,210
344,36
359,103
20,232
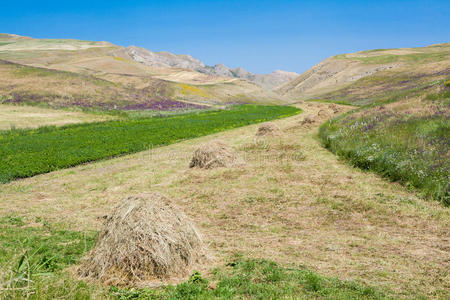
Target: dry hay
268,129
323,113
308,120
213,155
335,108
145,238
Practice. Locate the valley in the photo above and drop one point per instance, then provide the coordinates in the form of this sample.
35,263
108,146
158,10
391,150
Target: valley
337,185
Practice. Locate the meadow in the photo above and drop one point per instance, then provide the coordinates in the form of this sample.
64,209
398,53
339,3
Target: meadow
28,152
400,129
409,148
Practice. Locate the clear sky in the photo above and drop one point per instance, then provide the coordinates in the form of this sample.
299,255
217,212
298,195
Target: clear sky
260,36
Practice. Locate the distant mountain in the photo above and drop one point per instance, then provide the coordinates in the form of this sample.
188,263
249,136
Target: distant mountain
168,60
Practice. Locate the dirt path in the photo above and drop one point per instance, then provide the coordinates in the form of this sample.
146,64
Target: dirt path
293,202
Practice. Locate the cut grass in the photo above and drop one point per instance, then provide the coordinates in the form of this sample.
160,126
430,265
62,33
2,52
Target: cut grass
24,153
15,116
33,261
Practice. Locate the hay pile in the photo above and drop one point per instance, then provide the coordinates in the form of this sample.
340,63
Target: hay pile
145,238
323,113
335,108
268,129
213,155
308,120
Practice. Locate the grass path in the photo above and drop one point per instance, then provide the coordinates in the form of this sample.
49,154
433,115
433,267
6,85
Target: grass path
292,202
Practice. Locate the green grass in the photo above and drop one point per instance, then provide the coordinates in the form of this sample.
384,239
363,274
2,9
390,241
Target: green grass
32,260
406,148
24,153
257,279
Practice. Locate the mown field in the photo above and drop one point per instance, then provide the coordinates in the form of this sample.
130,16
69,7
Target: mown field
24,153
36,260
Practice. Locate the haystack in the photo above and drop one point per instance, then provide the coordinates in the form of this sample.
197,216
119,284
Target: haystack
335,108
214,154
145,238
268,129
323,113
308,120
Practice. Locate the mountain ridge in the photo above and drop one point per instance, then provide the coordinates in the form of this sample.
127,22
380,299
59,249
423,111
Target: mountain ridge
166,59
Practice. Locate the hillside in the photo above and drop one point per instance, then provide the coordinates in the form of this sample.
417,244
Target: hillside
368,74
402,127
94,75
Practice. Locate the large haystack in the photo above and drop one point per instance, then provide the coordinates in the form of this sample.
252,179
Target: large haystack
214,154
268,129
145,238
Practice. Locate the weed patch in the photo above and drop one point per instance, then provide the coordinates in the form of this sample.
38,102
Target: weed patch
34,256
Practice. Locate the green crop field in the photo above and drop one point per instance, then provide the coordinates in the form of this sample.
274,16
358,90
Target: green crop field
24,153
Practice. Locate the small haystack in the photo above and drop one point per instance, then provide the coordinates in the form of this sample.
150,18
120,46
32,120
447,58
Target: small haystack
213,155
145,238
308,120
268,129
323,113
335,108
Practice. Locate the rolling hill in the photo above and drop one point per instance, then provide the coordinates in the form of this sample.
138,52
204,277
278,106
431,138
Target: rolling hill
99,74
365,75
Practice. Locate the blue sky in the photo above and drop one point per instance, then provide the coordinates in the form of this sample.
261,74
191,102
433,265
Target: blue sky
260,36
